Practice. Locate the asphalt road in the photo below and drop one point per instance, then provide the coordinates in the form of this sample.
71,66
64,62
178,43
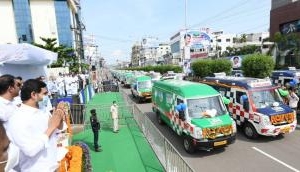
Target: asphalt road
267,154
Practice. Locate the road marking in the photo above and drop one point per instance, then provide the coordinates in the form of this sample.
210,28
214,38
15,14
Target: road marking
275,159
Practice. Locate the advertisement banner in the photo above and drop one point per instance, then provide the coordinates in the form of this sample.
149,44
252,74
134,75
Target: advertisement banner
198,42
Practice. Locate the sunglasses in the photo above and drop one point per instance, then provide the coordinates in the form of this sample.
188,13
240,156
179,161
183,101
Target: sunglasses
19,85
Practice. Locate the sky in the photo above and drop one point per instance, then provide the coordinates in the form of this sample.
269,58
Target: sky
118,24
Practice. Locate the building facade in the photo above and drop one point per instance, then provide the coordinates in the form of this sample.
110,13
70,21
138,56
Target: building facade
285,17
26,21
136,54
149,51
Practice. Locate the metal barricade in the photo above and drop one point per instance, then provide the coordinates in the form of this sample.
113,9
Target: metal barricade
169,157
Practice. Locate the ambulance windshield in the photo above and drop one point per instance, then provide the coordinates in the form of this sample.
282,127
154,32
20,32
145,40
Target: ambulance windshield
197,108
144,84
264,98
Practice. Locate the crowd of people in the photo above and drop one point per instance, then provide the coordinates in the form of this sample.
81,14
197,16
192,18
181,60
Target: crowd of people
290,95
29,126
28,129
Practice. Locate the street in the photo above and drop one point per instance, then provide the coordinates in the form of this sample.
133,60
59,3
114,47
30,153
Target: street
266,154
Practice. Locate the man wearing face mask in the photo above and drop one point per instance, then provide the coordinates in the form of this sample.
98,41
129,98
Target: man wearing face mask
36,135
45,105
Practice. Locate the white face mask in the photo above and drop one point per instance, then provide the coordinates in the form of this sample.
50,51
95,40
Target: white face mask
13,157
43,103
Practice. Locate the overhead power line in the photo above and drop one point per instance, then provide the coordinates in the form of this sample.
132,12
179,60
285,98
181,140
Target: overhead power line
238,5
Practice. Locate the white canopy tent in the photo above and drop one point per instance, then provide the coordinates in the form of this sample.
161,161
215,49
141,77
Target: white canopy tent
25,60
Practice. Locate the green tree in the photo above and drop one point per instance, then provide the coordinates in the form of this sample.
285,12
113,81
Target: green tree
258,65
243,38
207,67
284,46
66,55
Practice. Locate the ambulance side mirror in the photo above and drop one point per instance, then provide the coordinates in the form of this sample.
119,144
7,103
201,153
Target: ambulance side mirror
226,101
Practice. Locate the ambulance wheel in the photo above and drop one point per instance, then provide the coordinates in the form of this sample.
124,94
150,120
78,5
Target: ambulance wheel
188,145
250,131
158,116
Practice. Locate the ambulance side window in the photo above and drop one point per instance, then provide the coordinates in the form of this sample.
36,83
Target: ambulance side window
223,91
179,101
169,98
181,112
238,96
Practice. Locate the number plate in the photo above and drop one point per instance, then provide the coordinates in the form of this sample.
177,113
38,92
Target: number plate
220,143
285,130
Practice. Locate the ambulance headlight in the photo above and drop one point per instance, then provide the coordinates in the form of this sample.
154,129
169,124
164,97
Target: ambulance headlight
233,127
266,120
198,133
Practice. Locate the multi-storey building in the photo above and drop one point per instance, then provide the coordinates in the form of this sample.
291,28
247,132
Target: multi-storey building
149,51
29,20
285,17
136,54
162,51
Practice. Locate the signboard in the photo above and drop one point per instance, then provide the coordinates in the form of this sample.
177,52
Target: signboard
290,27
199,43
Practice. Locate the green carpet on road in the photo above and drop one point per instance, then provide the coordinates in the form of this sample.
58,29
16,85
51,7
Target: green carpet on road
126,151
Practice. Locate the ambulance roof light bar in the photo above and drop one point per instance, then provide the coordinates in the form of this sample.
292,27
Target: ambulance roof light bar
292,68
260,82
220,74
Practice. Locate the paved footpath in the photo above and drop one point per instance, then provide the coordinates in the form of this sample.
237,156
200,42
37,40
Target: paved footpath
126,151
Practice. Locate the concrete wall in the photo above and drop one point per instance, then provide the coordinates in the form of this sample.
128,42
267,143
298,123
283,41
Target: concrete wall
43,20
8,27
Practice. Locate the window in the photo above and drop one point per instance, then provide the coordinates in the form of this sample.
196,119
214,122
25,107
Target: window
168,98
228,40
238,96
197,107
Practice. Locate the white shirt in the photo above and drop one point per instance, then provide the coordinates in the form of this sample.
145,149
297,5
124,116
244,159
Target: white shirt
293,100
17,101
52,86
6,110
26,130
114,111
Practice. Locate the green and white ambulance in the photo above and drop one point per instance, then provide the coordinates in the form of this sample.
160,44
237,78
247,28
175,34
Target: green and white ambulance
194,111
141,88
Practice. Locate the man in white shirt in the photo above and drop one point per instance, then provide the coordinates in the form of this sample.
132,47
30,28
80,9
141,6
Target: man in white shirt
114,116
61,85
9,89
36,130
74,84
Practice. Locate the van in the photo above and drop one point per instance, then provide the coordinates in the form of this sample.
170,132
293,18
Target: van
255,105
141,88
282,77
194,111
